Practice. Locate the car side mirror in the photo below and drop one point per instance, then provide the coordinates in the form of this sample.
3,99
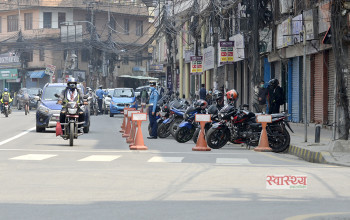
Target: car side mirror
109,96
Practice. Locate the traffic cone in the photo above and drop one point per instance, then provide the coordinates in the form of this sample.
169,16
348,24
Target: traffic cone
139,143
59,131
130,139
127,128
201,143
123,126
264,141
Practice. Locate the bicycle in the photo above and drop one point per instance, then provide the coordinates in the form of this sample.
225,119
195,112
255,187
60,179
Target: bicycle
26,108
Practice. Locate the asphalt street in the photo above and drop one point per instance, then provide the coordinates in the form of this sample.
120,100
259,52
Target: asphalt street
42,177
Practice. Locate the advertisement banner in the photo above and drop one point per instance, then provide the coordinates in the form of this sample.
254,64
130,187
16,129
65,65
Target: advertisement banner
238,49
297,29
284,32
196,65
208,58
226,52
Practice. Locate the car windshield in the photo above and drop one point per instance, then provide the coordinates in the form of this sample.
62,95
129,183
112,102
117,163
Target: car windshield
119,93
110,91
49,92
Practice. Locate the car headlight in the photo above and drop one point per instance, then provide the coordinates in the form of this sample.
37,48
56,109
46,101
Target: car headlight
43,109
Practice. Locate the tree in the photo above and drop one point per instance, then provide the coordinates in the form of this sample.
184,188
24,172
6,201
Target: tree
338,30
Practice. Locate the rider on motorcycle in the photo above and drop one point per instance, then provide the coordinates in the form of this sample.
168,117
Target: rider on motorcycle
5,97
71,94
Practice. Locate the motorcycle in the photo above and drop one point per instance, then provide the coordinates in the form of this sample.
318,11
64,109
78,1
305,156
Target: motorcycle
239,126
188,126
6,109
72,128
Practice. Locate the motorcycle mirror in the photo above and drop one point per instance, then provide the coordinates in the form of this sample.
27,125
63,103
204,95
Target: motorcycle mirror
109,96
56,95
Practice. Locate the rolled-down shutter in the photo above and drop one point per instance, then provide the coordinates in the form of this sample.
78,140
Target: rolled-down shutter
320,89
296,90
331,78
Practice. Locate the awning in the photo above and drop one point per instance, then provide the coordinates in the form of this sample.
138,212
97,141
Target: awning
138,77
37,74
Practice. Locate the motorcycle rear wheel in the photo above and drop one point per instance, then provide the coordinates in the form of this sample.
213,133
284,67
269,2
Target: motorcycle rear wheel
217,138
6,113
195,135
71,134
174,126
279,139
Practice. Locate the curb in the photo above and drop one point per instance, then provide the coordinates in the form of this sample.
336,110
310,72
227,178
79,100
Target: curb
313,156
310,156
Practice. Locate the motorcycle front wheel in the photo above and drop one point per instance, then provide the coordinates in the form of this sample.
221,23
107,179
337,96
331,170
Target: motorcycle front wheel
174,126
184,134
71,134
217,138
6,113
163,131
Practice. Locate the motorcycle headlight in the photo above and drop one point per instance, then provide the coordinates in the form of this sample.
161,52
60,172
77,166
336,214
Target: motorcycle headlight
72,111
43,109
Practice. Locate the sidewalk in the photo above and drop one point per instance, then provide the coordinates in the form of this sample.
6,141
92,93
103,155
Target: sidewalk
327,151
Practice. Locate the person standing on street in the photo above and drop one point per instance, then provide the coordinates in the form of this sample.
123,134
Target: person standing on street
100,94
152,110
275,96
262,94
144,96
203,93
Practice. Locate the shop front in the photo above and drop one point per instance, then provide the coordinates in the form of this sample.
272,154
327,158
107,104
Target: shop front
9,79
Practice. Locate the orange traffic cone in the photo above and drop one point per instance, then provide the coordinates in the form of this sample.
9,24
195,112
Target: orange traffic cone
130,139
128,127
139,143
59,131
123,126
201,143
264,141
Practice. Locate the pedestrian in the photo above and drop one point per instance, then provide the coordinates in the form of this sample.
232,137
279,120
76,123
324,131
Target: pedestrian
275,96
144,96
160,91
203,93
152,110
100,93
262,95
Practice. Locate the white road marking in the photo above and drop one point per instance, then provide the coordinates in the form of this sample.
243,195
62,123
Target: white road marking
232,161
17,136
33,157
166,160
100,158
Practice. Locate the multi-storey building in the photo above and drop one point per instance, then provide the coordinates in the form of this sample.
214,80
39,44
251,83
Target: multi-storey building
101,41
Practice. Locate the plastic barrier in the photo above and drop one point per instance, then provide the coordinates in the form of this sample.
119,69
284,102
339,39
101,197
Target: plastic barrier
128,125
123,124
130,139
201,143
139,143
264,141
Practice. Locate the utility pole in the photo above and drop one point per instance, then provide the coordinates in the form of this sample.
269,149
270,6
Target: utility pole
254,70
305,83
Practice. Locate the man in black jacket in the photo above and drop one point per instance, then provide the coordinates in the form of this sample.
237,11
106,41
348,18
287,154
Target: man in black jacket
275,96
203,92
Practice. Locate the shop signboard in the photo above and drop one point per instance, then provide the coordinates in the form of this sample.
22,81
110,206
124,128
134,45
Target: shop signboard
9,60
323,17
310,24
226,52
297,29
8,74
196,65
208,58
238,49
284,33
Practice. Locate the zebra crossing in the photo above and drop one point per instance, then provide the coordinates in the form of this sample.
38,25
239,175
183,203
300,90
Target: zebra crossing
110,158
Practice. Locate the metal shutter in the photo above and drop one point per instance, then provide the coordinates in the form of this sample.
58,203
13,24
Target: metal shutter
290,73
296,90
331,77
320,89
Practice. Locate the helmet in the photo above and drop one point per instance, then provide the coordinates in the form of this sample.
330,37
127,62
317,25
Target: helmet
217,94
72,83
273,82
6,90
89,89
200,103
232,95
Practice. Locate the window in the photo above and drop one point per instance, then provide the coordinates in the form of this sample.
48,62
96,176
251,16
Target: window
28,56
42,55
126,60
126,26
47,19
139,28
12,23
138,60
112,23
28,21
85,55
61,18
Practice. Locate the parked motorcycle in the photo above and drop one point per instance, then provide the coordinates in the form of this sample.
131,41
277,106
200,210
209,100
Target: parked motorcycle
240,126
188,126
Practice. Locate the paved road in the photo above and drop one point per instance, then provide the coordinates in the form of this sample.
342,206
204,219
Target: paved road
100,178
